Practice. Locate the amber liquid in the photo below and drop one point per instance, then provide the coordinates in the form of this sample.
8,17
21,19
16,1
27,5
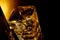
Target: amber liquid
25,23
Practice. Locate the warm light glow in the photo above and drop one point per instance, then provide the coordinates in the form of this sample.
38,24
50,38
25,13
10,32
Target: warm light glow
7,6
4,6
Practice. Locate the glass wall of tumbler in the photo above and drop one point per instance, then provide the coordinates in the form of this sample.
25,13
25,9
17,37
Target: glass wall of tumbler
24,23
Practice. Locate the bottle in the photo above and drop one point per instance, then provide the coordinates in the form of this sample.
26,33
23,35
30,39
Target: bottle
4,27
